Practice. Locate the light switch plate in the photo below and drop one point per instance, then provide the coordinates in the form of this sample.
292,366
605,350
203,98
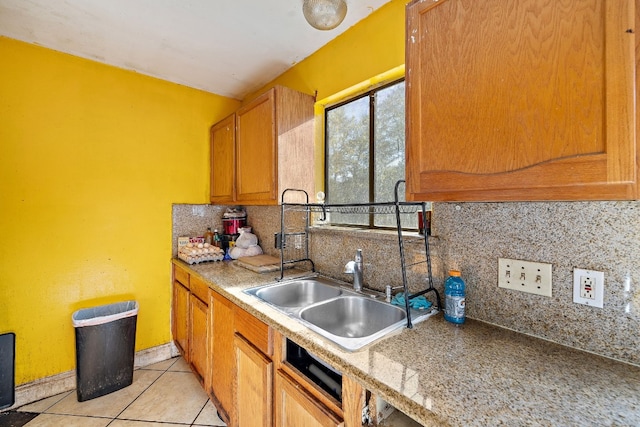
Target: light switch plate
525,276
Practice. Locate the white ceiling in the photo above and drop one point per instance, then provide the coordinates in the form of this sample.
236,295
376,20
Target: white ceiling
227,47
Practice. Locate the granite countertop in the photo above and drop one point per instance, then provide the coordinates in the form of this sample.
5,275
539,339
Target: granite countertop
475,374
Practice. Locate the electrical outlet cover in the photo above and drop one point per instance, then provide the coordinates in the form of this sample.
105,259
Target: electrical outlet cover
587,287
582,280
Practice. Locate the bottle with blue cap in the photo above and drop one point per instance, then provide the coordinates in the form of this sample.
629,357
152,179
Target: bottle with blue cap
454,294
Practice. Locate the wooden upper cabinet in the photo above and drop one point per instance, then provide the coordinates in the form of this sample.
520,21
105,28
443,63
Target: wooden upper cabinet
223,158
264,148
521,100
257,150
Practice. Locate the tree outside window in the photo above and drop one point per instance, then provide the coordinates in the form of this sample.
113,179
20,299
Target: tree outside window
365,153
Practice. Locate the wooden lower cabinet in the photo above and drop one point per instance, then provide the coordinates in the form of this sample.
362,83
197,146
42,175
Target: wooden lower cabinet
180,323
199,328
221,318
295,407
189,320
240,361
254,385
198,336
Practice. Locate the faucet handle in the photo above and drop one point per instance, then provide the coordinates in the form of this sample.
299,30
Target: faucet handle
358,255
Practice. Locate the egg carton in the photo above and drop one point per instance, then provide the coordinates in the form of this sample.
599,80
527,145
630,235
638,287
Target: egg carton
195,253
199,259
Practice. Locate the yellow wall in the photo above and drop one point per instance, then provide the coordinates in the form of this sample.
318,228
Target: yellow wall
371,47
91,159
368,53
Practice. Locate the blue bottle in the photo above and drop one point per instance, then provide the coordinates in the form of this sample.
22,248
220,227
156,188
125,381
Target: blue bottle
454,303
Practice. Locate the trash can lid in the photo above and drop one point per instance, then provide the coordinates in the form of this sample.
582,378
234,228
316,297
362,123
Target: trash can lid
104,313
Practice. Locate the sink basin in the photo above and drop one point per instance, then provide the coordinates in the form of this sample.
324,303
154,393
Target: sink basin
333,310
353,316
298,293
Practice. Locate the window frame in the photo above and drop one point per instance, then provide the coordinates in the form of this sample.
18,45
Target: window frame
371,94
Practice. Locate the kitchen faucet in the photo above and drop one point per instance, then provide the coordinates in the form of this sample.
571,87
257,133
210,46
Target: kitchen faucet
355,268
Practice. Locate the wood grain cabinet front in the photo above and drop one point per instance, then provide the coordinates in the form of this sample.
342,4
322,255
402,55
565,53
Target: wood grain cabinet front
235,356
253,348
254,385
223,158
222,355
295,406
521,100
189,320
264,148
180,311
199,327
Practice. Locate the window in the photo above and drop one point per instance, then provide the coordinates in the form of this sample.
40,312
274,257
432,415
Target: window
364,141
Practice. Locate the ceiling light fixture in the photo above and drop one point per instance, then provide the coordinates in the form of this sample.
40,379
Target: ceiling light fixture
324,14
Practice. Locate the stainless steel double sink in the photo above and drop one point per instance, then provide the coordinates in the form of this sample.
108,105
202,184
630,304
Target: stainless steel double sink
329,308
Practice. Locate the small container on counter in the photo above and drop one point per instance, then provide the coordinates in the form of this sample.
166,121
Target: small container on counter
454,293
208,236
233,220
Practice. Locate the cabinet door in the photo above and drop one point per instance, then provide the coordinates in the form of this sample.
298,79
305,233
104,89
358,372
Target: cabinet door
254,378
181,318
222,354
223,169
198,336
521,100
256,161
295,407
294,130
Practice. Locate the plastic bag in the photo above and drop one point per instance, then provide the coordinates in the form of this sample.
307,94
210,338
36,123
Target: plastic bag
104,314
246,240
236,252
253,251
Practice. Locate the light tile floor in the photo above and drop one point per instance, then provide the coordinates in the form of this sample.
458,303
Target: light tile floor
162,395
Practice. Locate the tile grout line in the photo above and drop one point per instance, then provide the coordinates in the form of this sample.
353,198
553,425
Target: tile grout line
199,412
113,419
142,392
44,411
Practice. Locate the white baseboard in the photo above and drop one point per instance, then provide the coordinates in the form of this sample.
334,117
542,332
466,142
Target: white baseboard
155,354
65,381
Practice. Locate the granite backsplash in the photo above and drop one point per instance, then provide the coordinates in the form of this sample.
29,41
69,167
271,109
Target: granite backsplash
602,236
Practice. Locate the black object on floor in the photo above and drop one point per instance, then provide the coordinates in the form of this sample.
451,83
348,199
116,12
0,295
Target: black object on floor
105,348
16,419
7,369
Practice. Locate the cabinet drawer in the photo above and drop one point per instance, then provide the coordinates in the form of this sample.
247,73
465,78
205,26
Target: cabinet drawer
199,288
254,330
296,407
181,275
